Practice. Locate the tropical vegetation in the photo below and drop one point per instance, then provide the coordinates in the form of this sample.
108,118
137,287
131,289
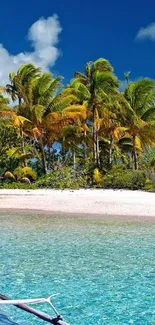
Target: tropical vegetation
88,133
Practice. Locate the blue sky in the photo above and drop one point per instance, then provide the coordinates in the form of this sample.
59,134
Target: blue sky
83,31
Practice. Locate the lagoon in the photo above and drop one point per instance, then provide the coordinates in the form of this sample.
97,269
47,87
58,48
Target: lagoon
103,269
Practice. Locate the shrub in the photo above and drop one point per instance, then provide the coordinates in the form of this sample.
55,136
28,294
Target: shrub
149,185
118,180
9,176
64,178
30,173
138,179
120,177
25,172
97,176
19,173
16,185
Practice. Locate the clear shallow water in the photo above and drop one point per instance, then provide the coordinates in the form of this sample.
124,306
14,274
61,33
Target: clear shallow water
103,271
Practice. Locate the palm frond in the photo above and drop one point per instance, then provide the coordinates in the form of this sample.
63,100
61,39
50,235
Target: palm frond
102,65
149,114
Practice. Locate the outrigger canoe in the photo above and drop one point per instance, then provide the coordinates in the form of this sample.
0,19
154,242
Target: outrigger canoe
22,304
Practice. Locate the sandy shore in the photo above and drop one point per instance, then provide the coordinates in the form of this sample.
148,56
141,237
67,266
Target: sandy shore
99,202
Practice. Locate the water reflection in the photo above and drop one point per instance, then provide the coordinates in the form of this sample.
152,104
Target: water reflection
4,320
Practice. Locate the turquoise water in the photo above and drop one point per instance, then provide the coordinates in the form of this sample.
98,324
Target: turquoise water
103,271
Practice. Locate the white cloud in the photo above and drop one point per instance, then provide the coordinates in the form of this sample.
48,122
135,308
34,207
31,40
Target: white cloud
44,36
147,32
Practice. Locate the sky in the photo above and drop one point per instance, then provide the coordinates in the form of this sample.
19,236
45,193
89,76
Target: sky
62,36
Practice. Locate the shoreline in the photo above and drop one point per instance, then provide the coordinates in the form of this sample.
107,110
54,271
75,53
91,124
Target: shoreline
89,202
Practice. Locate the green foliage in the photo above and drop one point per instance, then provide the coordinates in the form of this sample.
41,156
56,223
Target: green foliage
8,139
149,185
120,177
63,179
30,173
37,167
138,179
25,172
19,173
99,129
148,161
16,185
9,176
117,178
97,176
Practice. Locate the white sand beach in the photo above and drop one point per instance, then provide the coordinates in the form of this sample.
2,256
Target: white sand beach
99,202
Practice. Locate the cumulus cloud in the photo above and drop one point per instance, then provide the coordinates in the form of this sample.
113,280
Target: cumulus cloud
44,36
147,32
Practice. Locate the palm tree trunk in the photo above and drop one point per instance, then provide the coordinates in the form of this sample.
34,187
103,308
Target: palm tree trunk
135,158
49,158
22,136
74,160
94,151
85,146
43,155
23,145
94,138
94,146
110,151
97,150
63,151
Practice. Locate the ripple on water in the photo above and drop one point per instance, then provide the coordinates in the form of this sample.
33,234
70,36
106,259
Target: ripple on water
103,271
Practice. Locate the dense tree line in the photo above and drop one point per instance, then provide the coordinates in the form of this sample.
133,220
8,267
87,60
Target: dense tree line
90,120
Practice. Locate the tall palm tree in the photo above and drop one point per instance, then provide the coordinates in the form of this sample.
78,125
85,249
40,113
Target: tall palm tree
96,85
20,83
139,114
47,112
72,138
111,129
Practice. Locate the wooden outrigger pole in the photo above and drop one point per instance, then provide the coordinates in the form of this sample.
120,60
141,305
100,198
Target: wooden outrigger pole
21,305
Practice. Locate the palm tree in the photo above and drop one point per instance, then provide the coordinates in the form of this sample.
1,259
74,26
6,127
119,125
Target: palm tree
96,85
47,112
18,87
139,114
111,129
72,138
20,82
